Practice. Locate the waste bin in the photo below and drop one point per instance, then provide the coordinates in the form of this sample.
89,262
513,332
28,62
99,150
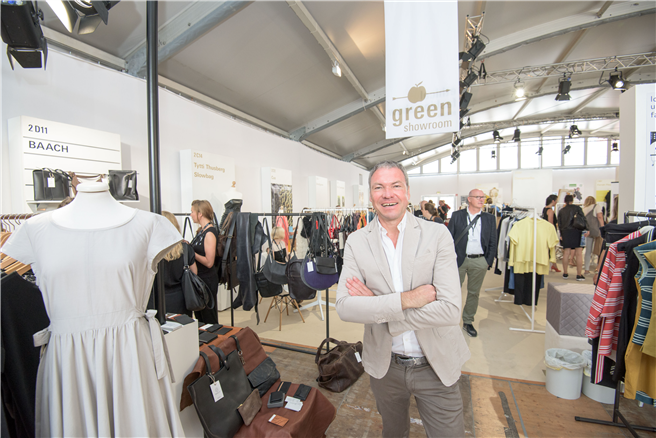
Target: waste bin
598,393
564,373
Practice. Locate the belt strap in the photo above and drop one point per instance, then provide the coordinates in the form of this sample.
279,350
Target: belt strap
160,352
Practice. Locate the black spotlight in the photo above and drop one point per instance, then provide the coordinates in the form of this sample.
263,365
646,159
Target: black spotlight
456,140
616,81
454,156
563,89
574,131
567,149
494,154
497,137
539,152
477,47
468,121
22,33
469,80
464,100
89,13
516,135
615,147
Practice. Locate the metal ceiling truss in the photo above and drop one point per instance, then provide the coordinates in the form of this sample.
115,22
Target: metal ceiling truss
473,27
477,129
569,69
373,148
192,23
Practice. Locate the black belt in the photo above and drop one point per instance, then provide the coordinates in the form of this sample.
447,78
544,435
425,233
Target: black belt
408,361
474,256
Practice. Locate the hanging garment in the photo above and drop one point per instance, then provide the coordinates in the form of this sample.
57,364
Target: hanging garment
606,309
233,205
521,246
104,368
640,379
247,295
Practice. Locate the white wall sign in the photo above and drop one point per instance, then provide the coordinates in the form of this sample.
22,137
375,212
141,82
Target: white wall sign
360,198
205,176
277,190
36,143
337,193
530,188
318,192
421,68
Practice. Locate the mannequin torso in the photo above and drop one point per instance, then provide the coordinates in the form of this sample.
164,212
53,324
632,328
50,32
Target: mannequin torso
93,208
232,193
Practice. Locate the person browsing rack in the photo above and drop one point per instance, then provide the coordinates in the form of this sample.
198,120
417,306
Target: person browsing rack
204,245
549,216
571,237
475,239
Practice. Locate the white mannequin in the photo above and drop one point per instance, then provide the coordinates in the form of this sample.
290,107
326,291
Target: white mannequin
232,192
93,208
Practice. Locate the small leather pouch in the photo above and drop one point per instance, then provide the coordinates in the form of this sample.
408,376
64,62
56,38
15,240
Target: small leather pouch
264,376
251,406
326,265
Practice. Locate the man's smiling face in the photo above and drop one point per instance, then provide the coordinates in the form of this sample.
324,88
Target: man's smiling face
389,194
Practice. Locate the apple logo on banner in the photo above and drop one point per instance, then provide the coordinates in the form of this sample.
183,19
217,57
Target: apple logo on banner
417,93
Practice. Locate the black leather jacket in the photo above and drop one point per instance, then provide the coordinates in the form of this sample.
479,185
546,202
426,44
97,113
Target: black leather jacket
565,216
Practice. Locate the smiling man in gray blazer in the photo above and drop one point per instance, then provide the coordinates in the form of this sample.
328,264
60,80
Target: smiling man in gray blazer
400,279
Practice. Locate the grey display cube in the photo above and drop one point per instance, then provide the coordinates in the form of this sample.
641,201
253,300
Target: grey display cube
568,306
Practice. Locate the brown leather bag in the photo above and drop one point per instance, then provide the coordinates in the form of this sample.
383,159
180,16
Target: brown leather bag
340,367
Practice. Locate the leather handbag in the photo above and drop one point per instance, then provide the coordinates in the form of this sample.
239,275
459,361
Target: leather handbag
217,396
123,185
314,279
264,375
267,288
251,406
298,290
273,270
197,295
340,367
319,266
51,185
333,230
578,221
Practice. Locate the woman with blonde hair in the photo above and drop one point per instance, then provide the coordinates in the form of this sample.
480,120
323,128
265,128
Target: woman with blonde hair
595,218
172,269
204,245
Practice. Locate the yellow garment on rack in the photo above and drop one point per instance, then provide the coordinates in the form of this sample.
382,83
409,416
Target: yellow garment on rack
520,255
649,346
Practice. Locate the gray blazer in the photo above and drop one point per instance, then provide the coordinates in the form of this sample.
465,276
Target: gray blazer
428,258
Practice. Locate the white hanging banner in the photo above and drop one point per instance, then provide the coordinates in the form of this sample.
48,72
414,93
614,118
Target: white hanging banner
421,68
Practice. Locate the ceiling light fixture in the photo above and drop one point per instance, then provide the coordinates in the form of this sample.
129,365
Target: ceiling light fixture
520,91
454,156
468,122
337,71
464,100
456,140
89,14
494,154
497,137
574,131
539,152
563,88
516,135
615,147
476,48
469,79
384,128
21,31
567,149
616,81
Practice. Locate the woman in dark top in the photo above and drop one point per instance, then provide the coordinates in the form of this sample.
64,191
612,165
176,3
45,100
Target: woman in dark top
430,213
549,216
172,268
571,237
204,245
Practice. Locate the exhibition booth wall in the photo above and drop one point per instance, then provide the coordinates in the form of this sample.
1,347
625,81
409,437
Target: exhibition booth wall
78,92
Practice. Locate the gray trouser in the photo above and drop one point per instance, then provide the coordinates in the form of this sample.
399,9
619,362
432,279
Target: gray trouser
475,270
440,406
589,249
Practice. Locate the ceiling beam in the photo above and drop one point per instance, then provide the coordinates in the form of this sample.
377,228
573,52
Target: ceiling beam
308,20
572,23
604,127
192,23
603,9
372,148
338,115
69,44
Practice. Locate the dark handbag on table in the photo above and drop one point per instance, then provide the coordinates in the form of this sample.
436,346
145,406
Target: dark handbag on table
220,418
273,270
197,295
578,221
264,375
339,368
123,185
298,290
51,185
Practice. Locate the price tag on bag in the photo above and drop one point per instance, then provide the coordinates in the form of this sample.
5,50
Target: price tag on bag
51,182
310,266
129,184
217,391
357,357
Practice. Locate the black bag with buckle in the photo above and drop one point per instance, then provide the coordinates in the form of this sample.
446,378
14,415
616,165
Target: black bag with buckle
220,418
123,185
51,185
196,294
298,290
273,270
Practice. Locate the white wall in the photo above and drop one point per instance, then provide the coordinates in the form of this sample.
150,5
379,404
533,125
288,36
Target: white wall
81,93
463,183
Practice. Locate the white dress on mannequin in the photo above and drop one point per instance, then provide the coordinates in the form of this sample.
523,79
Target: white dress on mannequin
104,368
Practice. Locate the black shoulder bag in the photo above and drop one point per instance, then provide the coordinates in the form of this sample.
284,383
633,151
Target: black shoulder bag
466,230
197,295
298,290
273,270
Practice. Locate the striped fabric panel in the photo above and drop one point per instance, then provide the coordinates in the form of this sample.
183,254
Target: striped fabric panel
645,279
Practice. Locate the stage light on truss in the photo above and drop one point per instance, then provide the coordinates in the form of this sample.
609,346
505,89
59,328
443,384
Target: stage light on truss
516,135
456,140
89,14
454,156
464,100
469,79
563,89
494,154
615,147
476,48
520,91
616,81
337,71
497,137
567,149
574,131
539,152
21,31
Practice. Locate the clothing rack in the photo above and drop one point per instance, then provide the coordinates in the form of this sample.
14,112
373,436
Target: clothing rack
616,404
535,238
